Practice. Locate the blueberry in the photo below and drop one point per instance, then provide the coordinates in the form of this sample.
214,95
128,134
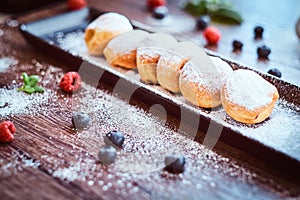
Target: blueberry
258,31
160,12
107,155
174,164
237,45
202,22
80,120
275,72
114,138
263,52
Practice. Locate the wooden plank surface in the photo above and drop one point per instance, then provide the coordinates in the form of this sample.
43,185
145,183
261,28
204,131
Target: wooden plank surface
48,158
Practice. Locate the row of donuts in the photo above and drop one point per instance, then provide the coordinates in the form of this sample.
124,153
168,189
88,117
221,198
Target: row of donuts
182,67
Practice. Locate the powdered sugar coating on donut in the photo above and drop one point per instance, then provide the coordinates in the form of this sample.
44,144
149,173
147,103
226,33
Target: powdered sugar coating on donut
249,90
153,46
111,22
208,73
127,42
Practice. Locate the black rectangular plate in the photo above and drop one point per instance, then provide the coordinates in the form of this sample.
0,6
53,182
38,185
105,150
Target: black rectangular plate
275,141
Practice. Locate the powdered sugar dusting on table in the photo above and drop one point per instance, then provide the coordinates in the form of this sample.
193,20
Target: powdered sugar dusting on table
72,43
16,163
6,62
147,141
19,103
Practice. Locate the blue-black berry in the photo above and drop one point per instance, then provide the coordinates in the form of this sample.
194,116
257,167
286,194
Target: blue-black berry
263,52
160,12
107,155
202,22
258,32
275,72
237,46
114,138
174,164
80,120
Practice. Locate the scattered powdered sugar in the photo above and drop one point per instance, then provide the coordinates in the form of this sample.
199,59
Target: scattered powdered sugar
76,171
6,62
280,131
12,23
72,42
247,89
148,139
16,162
1,32
15,102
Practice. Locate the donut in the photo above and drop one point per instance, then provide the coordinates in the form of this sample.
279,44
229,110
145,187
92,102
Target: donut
121,50
247,97
148,54
170,64
201,80
100,31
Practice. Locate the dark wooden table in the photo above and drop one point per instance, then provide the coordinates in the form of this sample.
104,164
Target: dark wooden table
48,159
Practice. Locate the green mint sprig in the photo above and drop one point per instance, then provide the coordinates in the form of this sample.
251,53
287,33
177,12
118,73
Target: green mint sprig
218,10
30,84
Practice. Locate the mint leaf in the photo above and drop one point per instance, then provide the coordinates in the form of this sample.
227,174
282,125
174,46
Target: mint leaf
227,15
25,78
38,89
218,10
30,84
28,89
194,8
33,80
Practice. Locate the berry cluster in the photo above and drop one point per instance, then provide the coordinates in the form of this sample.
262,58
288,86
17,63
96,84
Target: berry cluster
113,140
211,34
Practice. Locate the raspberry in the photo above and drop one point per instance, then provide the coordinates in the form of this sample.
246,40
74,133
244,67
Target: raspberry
76,4
70,82
212,35
155,3
7,129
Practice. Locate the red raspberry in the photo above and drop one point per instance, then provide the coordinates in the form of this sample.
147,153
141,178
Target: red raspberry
70,82
212,35
76,4
7,129
155,3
